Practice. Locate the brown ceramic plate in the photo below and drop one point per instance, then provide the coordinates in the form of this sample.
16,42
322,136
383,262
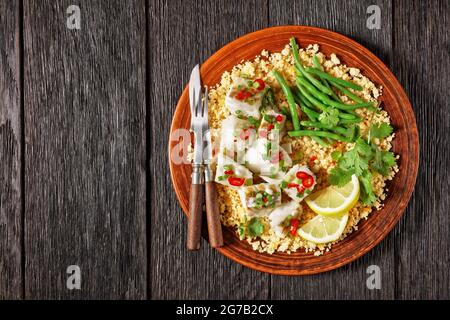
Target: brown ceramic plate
406,144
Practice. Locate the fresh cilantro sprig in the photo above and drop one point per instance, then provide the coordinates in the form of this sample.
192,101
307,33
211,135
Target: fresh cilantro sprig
329,117
253,228
383,161
366,196
363,159
380,130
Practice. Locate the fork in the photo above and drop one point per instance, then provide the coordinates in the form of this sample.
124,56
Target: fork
202,136
199,122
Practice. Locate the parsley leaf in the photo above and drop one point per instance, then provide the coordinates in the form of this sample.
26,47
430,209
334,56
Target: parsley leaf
363,148
354,161
253,121
366,196
352,132
340,177
383,161
329,117
255,227
362,160
336,155
380,130
242,231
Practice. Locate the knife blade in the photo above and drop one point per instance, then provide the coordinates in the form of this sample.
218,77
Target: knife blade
194,87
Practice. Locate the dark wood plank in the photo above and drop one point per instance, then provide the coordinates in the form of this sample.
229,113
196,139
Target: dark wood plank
348,18
84,92
10,153
422,64
183,33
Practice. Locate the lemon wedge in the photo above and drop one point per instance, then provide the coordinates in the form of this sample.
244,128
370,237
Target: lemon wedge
334,200
321,229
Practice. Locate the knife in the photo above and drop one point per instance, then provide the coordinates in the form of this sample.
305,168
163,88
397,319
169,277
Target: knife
196,191
212,208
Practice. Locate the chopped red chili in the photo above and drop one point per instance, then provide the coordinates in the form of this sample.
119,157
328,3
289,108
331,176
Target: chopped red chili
261,84
302,175
279,118
243,94
294,226
307,179
235,181
308,182
300,189
292,185
229,172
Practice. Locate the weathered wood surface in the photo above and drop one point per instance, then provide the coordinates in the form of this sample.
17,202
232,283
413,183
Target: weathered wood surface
85,152
11,195
422,64
87,197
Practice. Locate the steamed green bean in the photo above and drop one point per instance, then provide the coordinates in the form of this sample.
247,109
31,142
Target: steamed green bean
302,70
289,97
312,133
326,76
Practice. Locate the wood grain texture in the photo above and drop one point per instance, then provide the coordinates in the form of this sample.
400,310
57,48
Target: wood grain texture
194,232
215,233
348,18
10,154
84,95
182,34
422,64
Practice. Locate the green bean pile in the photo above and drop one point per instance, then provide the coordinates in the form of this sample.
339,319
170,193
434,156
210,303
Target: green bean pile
329,119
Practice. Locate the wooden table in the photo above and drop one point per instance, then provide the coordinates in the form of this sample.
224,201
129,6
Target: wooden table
84,121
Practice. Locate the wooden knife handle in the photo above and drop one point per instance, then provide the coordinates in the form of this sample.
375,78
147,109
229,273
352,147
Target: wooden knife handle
213,216
212,210
195,210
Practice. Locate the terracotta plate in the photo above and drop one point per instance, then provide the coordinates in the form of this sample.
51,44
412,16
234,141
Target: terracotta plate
406,144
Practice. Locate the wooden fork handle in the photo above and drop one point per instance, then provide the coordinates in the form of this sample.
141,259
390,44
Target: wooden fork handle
195,211
212,210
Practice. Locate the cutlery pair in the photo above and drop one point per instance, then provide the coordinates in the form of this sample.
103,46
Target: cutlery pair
202,175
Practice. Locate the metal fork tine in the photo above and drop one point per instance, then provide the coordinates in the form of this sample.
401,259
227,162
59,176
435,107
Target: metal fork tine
205,104
198,105
194,111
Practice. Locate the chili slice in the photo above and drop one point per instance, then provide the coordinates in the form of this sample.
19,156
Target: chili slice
294,226
235,181
243,94
308,182
261,84
302,175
